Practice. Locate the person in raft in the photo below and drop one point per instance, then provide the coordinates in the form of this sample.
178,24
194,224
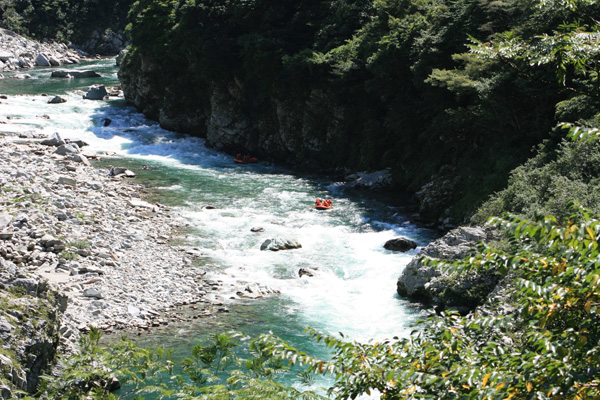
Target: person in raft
239,156
318,202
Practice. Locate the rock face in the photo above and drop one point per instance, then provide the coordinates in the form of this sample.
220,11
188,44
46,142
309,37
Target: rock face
400,244
427,284
300,130
277,244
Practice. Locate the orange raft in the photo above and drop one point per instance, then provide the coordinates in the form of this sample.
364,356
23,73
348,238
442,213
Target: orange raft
245,159
323,204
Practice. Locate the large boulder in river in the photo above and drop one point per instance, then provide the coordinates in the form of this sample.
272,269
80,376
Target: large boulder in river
401,243
426,283
57,100
276,244
63,73
96,92
42,61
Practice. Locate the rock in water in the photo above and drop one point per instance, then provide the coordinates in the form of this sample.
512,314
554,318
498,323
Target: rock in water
400,244
428,284
277,244
63,73
96,92
57,100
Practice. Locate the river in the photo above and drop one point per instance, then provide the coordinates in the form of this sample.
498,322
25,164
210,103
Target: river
354,289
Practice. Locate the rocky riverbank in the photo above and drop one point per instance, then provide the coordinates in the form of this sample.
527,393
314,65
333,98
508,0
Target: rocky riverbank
82,242
17,52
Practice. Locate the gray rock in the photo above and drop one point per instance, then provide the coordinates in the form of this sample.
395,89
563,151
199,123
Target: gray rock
257,229
42,61
93,293
57,100
310,272
140,204
21,76
401,243
66,149
5,55
5,220
81,159
63,180
53,140
276,244
96,92
54,61
427,283
116,171
75,74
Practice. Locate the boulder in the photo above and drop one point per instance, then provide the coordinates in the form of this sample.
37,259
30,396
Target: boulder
21,76
276,244
116,171
42,61
373,180
5,56
81,159
54,61
93,293
96,92
5,220
427,284
66,149
53,140
401,243
63,180
74,74
310,272
57,100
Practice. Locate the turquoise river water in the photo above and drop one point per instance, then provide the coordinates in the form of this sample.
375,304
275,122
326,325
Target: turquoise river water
354,291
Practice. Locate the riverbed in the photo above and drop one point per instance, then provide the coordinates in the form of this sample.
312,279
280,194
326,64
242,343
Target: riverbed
352,289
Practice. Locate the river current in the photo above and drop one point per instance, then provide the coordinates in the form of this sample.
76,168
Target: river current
354,289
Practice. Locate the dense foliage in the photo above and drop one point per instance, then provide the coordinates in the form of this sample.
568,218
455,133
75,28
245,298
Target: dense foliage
63,20
407,90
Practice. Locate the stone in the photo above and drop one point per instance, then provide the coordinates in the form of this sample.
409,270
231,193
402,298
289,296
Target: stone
426,283
42,61
276,244
93,293
54,62
116,171
5,220
310,272
63,180
96,92
21,76
74,74
81,159
57,100
140,204
53,140
5,55
67,149
257,229
401,244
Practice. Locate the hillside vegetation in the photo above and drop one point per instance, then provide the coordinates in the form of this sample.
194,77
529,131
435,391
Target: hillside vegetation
75,21
368,85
